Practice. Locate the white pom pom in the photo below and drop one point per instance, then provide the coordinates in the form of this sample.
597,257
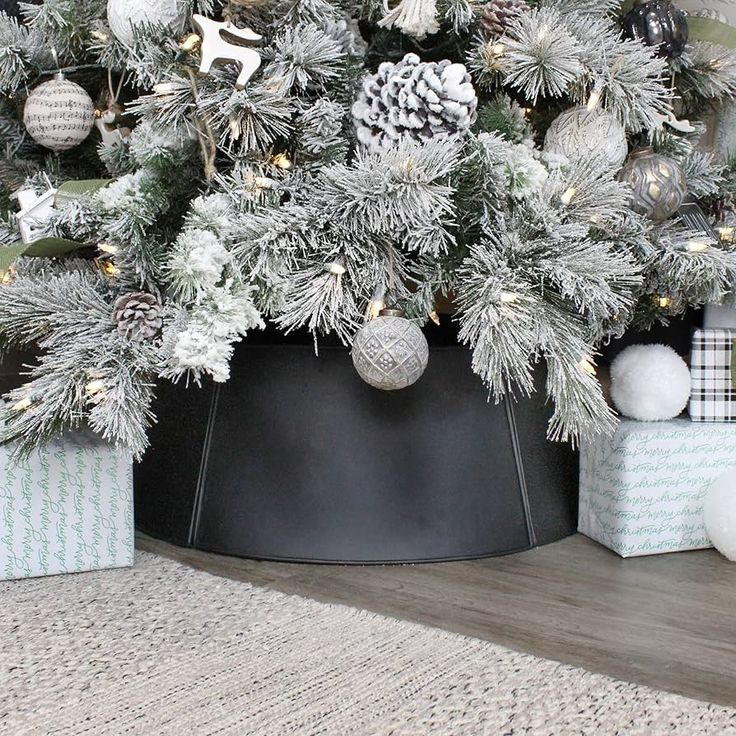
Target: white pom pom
719,514
650,383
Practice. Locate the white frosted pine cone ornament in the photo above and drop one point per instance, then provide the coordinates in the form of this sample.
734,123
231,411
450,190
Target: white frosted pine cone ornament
59,114
580,133
124,15
413,99
390,352
650,383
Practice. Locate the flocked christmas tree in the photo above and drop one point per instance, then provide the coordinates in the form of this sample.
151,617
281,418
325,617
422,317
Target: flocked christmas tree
175,175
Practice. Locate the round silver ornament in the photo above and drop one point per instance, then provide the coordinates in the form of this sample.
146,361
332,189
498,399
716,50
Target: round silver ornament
59,114
581,133
658,183
124,15
390,352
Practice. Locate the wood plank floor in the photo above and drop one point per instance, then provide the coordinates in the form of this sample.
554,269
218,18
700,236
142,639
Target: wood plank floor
667,621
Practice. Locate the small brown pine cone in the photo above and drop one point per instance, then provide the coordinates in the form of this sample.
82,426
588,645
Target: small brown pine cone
496,15
138,315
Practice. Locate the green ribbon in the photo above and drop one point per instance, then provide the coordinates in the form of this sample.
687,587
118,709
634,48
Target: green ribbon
52,247
71,190
715,31
43,248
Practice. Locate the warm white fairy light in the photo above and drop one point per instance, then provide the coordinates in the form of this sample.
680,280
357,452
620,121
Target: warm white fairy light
281,161
164,88
697,246
664,301
587,366
335,268
23,404
508,297
94,387
567,195
190,43
726,233
374,307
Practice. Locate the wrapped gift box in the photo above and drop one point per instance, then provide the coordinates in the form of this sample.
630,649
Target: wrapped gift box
642,490
713,393
66,508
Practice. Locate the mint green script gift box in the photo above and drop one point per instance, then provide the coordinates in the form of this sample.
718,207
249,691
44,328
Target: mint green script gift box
66,508
642,489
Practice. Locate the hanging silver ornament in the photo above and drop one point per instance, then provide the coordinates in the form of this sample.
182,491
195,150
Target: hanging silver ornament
658,183
59,114
124,15
580,133
390,352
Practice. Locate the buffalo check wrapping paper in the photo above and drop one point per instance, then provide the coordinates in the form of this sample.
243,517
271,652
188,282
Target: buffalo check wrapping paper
713,393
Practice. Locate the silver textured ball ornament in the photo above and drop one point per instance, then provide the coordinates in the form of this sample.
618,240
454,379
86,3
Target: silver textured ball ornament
581,133
124,15
390,352
658,183
59,114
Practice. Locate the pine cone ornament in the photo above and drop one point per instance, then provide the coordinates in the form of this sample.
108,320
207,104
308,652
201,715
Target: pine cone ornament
138,315
414,99
497,14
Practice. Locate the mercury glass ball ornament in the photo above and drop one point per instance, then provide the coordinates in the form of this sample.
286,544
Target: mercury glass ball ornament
719,514
59,114
581,133
124,15
658,183
390,352
658,23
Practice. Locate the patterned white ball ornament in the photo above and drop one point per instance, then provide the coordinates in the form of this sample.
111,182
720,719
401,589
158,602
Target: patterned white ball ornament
719,514
59,114
390,352
124,15
650,383
582,133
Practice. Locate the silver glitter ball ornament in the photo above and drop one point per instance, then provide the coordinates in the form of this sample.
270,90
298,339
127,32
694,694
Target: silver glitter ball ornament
390,352
658,183
124,15
581,133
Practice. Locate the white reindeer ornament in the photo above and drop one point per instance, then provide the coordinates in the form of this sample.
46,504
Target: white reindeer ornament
216,46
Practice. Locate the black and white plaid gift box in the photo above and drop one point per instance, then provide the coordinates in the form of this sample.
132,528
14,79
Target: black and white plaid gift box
713,395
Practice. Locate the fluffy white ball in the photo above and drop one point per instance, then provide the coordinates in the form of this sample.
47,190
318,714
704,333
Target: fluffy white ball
719,514
649,383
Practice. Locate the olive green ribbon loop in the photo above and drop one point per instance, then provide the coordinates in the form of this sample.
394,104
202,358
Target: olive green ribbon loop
51,247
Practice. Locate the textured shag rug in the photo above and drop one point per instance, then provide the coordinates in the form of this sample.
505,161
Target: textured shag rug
162,649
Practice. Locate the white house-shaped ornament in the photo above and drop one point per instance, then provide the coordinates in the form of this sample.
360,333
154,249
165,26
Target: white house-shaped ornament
35,211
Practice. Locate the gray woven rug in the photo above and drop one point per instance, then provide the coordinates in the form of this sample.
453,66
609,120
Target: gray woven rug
164,649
